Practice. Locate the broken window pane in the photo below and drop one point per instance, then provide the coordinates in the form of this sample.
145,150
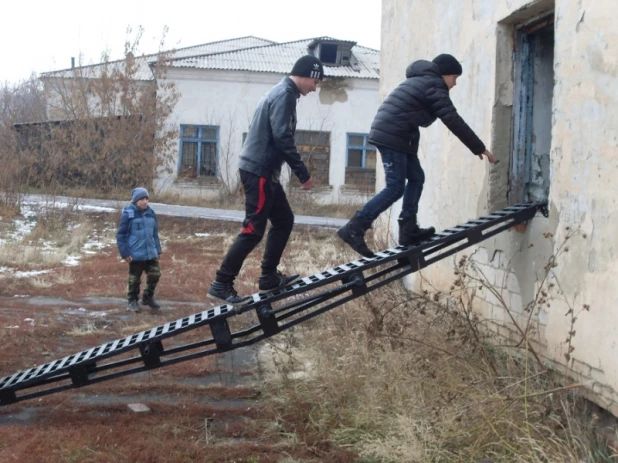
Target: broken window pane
355,158
356,140
328,53
189,131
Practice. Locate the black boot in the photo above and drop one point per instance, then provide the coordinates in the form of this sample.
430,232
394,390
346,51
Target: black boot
148,299
226,293
133,306
276,280
410,233
353,233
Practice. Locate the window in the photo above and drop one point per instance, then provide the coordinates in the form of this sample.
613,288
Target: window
532,111
198,151
360,153
314,149
361,162
328,53
335,54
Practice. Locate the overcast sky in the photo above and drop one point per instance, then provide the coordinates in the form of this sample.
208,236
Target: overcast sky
42,35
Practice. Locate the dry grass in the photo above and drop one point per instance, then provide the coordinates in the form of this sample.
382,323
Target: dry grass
57,234
64,277
88,328
392,377
401,378
19,255
41,282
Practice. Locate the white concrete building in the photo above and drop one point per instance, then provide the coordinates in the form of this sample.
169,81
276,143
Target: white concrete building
540,88
219,86
219,92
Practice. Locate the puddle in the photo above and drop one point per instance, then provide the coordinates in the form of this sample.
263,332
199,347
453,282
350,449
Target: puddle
25,417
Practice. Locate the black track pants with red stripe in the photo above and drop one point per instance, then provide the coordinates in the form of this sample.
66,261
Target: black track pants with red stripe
264,200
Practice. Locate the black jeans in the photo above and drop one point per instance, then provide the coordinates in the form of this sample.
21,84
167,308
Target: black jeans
398,167
264,200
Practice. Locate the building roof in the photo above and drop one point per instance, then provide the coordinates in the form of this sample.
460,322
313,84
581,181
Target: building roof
240,54
280,58
143,71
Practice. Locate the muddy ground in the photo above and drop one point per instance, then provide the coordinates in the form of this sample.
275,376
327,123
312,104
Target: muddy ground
207,410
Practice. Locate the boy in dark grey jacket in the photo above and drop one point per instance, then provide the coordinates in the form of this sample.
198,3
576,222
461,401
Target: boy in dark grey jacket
269,143
138,243
416,102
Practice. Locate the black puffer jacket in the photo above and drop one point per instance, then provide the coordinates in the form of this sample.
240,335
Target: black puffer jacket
270,139
417,102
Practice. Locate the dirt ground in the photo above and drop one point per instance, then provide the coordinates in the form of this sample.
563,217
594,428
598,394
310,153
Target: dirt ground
204,410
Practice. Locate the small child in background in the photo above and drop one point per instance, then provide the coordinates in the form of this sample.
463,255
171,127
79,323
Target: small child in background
138,243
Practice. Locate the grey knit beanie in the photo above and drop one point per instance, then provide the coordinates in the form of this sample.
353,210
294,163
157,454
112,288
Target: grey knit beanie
138,194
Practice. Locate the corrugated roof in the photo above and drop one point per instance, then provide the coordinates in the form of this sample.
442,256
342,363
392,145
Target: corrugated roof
143,72
221,46
280,58
241,54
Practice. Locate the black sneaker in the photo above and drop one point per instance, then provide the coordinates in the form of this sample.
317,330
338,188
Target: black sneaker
133,306
148,299
272,281
226,293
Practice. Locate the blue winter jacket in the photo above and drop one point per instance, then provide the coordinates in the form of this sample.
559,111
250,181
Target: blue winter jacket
138,234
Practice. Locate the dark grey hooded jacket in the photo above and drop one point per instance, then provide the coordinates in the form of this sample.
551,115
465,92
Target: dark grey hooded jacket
417,102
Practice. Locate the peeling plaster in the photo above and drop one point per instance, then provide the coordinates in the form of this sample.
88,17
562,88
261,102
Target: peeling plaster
333,91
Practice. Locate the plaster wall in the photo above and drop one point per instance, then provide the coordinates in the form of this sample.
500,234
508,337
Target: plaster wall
583,166
228,100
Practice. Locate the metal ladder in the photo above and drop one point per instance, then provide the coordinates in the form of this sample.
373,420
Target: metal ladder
344,283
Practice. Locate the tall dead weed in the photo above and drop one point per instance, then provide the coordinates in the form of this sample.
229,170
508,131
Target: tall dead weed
403,377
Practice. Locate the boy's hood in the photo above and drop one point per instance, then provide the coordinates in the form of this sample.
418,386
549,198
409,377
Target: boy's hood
422,68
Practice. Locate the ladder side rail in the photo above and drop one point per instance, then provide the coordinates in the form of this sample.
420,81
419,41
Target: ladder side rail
338,290
322,296
181,325
123,345
314,301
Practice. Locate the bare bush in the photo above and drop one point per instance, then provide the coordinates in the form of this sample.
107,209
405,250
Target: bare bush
103,126
23,101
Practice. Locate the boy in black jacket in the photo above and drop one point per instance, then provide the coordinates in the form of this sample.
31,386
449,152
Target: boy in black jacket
269,143
416,102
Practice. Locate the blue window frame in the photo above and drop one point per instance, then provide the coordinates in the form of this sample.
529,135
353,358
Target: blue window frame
198,151
361,154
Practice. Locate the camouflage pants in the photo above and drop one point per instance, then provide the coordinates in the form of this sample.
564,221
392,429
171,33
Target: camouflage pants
153,273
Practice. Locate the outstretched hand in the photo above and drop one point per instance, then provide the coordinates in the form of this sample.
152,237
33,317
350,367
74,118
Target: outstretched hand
308,185
490,157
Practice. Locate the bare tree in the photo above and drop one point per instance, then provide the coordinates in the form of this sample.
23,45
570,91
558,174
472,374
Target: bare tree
105,124
23,101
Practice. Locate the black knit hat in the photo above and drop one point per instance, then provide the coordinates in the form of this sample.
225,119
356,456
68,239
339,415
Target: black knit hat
308,66
448,65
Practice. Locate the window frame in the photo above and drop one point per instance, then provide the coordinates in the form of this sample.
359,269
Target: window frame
200,141
521,185
319,142
364,148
